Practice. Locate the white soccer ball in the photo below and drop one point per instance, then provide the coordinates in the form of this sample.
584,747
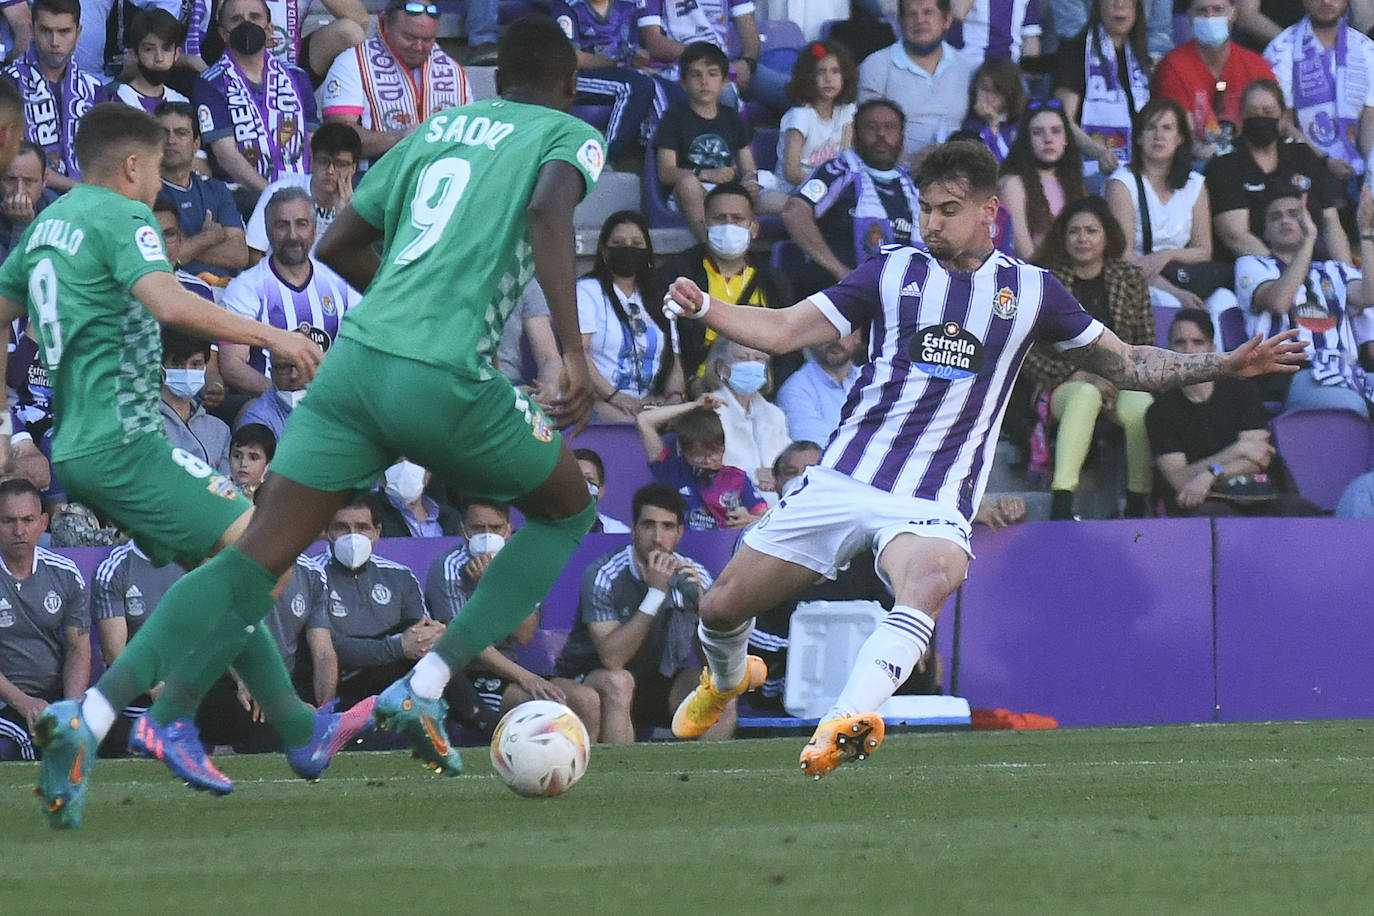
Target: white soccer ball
540,748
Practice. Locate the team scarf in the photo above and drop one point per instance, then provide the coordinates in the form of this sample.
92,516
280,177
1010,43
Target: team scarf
1106,114
872,225
1327,113
393,98
279,144
52,121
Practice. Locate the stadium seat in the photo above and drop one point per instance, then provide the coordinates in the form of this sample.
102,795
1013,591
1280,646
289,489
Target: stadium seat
1163,318
1231,331
597,116
623,455
1324,449
765,149
780,33
661,216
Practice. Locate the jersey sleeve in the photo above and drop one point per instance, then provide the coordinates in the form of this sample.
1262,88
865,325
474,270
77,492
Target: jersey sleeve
597,604
373,193
855,300
76,607
107,591
240,297
444,596
316,592
581,145
1062,320
222,205
824,187
212,111
1251,273
136,248
562,14
342,93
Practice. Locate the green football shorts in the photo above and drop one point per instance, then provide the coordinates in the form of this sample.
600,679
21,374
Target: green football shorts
173,504
366,409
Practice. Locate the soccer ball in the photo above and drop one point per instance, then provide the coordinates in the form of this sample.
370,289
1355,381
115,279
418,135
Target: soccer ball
540,748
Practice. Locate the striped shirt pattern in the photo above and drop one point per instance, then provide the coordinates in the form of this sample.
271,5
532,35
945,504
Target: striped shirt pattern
317,307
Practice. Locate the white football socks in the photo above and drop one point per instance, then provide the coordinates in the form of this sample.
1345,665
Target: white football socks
727,653
430,676
886,659
98,713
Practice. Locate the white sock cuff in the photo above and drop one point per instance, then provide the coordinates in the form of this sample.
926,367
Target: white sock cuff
430,676
706,632
97,712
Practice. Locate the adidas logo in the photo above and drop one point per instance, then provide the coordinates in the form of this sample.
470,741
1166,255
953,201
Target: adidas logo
133,592
891,670
912,289
4,604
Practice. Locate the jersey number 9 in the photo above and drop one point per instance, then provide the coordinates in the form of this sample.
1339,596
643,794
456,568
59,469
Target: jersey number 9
441,186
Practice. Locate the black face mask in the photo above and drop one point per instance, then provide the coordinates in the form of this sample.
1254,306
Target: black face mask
1260,131
153,77
247,38
627,261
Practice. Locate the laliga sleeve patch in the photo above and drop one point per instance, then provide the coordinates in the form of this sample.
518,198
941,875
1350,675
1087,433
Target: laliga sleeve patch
207,121
566,24
592,157
813,190
947,351
149,244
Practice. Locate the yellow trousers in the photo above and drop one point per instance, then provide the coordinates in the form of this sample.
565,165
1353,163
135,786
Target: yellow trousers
1077,405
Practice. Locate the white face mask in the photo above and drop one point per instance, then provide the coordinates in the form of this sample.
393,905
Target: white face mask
728,241
290,399
184,383
484,543
405,481
352,549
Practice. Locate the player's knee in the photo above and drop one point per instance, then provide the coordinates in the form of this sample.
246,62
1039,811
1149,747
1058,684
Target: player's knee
714,610
615,687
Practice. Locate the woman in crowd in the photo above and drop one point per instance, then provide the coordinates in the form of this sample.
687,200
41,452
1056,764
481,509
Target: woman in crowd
626,336
755,428
1085,251
1042,172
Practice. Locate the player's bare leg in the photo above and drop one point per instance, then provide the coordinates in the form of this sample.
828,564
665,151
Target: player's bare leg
924,572
751,583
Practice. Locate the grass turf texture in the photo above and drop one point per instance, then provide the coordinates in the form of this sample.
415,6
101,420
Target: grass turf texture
1218,819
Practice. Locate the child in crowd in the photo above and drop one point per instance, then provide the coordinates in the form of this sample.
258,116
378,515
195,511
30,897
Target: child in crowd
1041,174
996,104
155,37
701,143
824,85
250,451
718,495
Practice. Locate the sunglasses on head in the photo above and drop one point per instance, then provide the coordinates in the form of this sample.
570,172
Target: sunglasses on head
415,9
1046,105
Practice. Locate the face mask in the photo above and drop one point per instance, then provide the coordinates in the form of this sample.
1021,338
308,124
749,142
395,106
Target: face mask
405,481
184,383
290,399
484,543
155,77
728,241
626,260
1212,31
747,377
881,174
594,490
921,50
1260,131
352,549
247,38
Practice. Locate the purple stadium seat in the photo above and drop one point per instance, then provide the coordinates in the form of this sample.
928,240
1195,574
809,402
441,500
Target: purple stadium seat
1163,318
655,197
780,33
1231,331
626,467
1324,449
597,116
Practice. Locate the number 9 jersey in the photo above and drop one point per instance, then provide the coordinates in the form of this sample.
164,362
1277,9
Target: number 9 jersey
451,202
75,267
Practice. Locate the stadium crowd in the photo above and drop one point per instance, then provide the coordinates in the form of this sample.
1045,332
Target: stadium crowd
1195,173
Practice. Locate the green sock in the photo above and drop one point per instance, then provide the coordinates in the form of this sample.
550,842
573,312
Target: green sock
230,586
263,673
518,578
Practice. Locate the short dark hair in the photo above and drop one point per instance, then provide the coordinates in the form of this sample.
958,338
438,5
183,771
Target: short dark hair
224,5
11,103
178,347
943,6
729,187
586,454
165,205
58,7
110,131
1199,317
181,109
660,496
482,502
369,501
800,445
33,149
333,138
960,160
1263,84
1006,78
535,53
702,427
156,22
22,486
865,107
703,51
259,434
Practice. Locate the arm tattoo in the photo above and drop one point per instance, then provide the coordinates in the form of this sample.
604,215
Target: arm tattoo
1146,368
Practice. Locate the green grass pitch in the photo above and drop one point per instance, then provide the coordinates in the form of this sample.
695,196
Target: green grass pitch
1264,818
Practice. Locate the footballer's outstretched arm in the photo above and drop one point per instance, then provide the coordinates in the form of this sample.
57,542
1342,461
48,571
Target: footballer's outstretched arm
771,330
348,248
1144,368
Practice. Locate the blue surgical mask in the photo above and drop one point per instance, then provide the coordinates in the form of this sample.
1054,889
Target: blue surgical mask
184,383
747,377
881,174
1212,31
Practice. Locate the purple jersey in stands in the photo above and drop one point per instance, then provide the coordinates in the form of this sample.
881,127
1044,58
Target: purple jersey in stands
614,37
689,21
315,308
923,416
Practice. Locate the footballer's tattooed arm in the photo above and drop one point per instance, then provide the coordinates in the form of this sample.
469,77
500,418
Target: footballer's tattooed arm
1144,368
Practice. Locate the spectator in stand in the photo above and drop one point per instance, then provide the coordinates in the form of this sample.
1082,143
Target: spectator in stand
31,413
1261,21
481,21
1326,71
701,143
155,36
188,426
1239,182
693,463
1103,79
609,69
854,204
251,450
594,473
1326,301
923,74
409,510
1084,251
624,331
1207,434
288,290
273,406
24,194
998,29
1158,191
45,621
312,53
824,86
334,154
530,326
55,91
1208,76
211,227
169,221
996,104
16,30
634,639
372,87
755,428
254,135
725,265
812,396
667,28
1042,174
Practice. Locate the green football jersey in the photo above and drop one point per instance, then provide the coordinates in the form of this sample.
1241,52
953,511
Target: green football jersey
75,268
450,201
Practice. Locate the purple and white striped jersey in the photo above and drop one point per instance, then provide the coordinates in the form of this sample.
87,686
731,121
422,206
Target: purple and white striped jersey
688,21
923,416
996,28
315,308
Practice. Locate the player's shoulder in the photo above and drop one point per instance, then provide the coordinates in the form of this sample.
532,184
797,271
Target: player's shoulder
393,569
116,560
610,564
55,562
